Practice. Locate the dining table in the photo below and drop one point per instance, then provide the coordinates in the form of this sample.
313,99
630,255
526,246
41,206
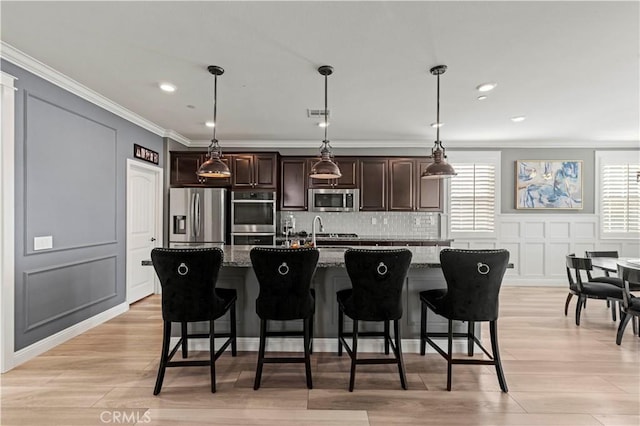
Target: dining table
610,264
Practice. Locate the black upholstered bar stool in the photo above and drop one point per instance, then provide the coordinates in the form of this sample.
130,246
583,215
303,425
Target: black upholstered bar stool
473,281
284,276
377,279
189,294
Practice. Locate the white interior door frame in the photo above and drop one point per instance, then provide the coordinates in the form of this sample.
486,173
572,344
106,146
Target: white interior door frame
158,175
7,221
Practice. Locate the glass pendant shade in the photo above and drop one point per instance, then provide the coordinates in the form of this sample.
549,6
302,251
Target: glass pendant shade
325,168
439,169
214,167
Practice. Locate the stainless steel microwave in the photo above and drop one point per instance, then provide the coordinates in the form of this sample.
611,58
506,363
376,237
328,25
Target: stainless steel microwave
334,200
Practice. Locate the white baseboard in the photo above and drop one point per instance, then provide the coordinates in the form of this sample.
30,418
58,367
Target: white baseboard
283,344
40,347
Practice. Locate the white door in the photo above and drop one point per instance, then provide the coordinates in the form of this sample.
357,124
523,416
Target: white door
144,226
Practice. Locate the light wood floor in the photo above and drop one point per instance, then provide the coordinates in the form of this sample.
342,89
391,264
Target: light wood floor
558,374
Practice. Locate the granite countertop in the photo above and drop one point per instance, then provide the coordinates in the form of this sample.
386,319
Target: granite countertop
330,257
376,238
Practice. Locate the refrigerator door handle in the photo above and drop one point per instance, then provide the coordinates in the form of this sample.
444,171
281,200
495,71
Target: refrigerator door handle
197,214
192,214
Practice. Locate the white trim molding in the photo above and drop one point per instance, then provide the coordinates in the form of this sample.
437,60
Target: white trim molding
7,219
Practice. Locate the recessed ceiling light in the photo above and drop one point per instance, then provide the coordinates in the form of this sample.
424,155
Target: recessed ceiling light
482,97
486,87
436,125
167,87
322,124
210,124
518,118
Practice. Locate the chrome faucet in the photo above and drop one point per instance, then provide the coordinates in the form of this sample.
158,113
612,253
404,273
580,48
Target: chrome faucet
313,229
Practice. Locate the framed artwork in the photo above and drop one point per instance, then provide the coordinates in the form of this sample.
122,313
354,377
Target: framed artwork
145,154
549,184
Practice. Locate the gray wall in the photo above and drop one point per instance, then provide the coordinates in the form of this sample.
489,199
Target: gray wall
71,184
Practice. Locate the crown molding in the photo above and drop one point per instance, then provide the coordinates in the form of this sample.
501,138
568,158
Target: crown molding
365,144
49,74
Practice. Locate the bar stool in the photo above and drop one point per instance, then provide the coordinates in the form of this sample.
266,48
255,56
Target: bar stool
284,276
377,279
473,281
189,294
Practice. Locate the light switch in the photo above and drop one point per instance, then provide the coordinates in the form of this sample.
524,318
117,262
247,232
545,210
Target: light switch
374,220
385,221
43,243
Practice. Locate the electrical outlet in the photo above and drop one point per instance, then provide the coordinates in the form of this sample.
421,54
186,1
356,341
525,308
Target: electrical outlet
374,220
385,221
416,221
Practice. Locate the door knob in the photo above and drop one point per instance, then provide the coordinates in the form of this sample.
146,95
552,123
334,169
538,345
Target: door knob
152,239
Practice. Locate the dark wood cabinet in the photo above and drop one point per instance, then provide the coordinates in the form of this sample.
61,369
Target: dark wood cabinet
428,191
293,183
349,169
254,171
402,182
373,184
185,164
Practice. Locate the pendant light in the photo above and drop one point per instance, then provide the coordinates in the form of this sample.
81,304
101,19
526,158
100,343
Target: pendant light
439,168
325,168
214,167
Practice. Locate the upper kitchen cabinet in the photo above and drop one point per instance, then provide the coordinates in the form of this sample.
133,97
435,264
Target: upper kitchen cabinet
373,184
429,192
254,171
402,182
185,164
349,169
293,183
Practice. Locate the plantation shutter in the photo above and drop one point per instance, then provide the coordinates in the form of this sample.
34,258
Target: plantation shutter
620,209
473,198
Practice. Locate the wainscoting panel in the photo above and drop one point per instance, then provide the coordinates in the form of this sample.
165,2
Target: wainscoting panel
46,290
538,244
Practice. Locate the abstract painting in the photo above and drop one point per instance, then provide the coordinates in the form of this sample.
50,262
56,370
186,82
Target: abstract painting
548,184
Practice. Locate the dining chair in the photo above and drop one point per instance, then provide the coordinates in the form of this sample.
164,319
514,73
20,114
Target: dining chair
630,303
377,280
607,278
284,276
585,289
189,294
474,278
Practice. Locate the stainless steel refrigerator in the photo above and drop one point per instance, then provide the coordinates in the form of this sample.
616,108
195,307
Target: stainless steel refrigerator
198,217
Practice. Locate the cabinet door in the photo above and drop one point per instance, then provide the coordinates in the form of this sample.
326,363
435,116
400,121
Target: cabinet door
402,173
265,171
184,166
242,171
429,191
293,188
373,184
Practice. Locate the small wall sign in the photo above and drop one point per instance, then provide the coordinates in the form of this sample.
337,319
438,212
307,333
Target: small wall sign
145,154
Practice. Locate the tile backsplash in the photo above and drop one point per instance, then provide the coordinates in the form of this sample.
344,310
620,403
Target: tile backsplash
381,224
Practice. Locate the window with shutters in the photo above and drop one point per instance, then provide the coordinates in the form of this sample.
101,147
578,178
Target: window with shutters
473,199
619,194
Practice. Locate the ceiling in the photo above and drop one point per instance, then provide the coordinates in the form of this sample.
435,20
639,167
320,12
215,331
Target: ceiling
572,68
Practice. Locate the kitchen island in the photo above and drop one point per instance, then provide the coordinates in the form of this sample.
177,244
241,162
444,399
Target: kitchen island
330,277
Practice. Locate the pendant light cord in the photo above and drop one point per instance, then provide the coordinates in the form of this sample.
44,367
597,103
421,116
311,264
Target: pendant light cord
215,105
325,108
438,112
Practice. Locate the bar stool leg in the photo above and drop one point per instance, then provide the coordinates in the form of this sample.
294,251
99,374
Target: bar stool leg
307,351
493,330
234,333
164,358
423,328
398,354
212,355
185,340
450,354
354,355
340,329
470,334
263,342
387,337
